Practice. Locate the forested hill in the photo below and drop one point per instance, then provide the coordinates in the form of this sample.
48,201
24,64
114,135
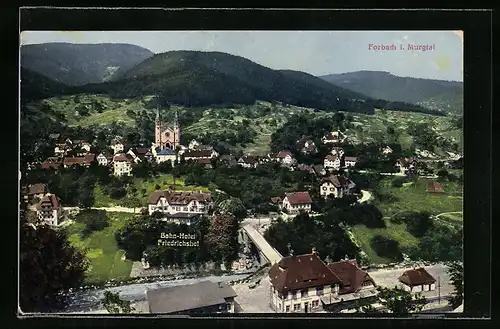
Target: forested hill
194,78
78,64
436,95
35,86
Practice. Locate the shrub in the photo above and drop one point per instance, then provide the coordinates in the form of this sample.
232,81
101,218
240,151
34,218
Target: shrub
385,247
398,181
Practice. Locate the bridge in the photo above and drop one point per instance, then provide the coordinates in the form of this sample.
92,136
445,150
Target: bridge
248,234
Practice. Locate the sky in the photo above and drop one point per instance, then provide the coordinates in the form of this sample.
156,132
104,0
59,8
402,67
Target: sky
315,52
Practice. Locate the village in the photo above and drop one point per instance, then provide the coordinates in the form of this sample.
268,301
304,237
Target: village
302,283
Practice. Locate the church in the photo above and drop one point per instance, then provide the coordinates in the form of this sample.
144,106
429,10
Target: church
167,137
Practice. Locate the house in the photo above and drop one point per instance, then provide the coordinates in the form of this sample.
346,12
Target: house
305,284
295,202
277,201
49,209
200,154
54,136
171,202
386,150
286,157
122,164
165,155
104,159
331,161
417,280
338,151
116,146
193,145
85,161
205,162
36,191
204,297
333,137
407,166
139,154
350,161
306,146
336,185
435,187
52,163
306,168
248,161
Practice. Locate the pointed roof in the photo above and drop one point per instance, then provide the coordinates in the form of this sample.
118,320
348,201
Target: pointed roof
298,198
351,275
416,277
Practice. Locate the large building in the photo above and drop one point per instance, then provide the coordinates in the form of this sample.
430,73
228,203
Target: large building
122,164
296,202
205,297
49,210
181,205
336,185
167,137
305,284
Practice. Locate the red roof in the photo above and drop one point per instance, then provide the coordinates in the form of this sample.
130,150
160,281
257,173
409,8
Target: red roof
37,189
198,154
330,157
48,165
71,161
298,198
123,157
301,272
250,159
435,187
337,181
416,277
283,154
49,200
351,275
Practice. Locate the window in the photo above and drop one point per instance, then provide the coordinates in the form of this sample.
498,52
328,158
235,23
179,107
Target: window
332,189
324,188
319,291
294,295
304,293
315,303
296,307
279,306
287,308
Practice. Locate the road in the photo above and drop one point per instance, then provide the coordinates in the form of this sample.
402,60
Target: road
271,254
110,209
89,300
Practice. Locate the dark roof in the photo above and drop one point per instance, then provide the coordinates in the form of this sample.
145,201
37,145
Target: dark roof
166,151
178,198
435,187
331,157
197,154
301,272
416,277
37,189
141,150
204,161
188,297
50,200
71,161
351,275
49,164
122,157
276,200
54,136
354,159
284,153
298,198
337,180
250,159
306,168
181,215
318,168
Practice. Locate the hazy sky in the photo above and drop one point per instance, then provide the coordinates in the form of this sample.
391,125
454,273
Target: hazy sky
314,52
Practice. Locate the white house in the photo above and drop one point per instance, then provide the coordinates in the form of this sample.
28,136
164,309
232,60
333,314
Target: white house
296,202
417,280
338,151
336,185
122,164
193,144
176,203
350,161
286,158
386,150
200,154
104,159
307,146
331,161
248,161
49,210
116,146
165,155
333,137
406,165
305,284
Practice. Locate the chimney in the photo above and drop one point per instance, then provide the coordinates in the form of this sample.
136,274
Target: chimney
314,250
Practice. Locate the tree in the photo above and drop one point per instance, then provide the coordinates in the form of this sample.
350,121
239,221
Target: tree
222,237
400,301
49,265
114,304
234,207
456,273
386,247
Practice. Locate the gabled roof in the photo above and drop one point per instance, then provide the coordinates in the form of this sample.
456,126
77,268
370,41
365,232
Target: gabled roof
50,200
337,180
276,200
37,189
116,142
301,272
298,198
197,153
123,157
284,154
178,198
435,187
188,297
331,157
351,275
250,159
416,277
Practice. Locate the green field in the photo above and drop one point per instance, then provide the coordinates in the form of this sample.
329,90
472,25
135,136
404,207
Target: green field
102,251
413,197
141,189
393,231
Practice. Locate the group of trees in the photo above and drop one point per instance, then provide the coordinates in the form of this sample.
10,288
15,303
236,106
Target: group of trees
418,223
442,243
94,220
386,247
49,266
217,236
304,233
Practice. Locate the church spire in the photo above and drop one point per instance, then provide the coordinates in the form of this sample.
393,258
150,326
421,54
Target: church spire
176,119
157,114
